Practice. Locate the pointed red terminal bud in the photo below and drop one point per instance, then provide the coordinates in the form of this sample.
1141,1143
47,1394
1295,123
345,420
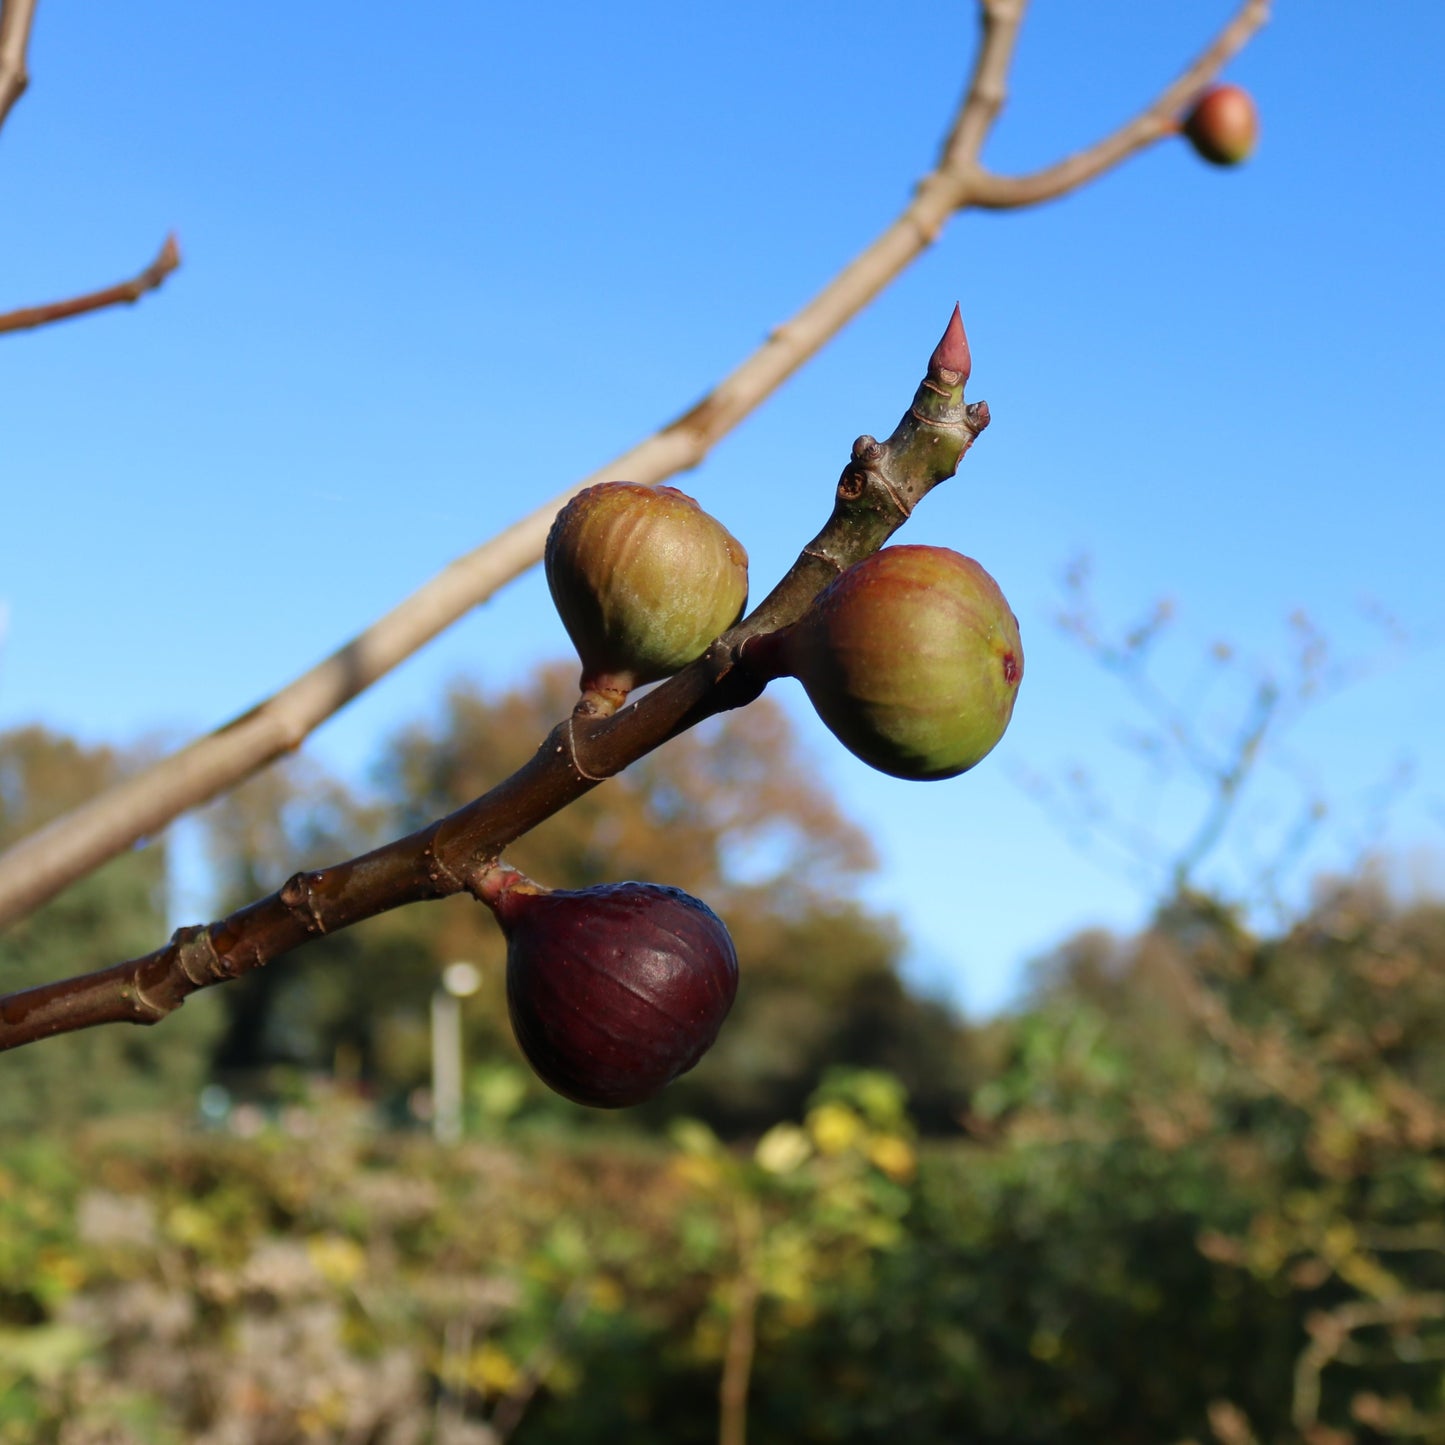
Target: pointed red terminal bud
952,353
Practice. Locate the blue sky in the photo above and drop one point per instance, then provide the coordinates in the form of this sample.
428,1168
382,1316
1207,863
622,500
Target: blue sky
1222,387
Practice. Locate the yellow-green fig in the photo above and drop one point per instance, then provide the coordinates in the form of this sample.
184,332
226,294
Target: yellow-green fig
643,580
912,658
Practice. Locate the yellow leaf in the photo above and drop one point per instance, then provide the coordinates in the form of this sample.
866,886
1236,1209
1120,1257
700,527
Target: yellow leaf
894,1156
835,1128
338,1260
492,1370
782,1149
697,1170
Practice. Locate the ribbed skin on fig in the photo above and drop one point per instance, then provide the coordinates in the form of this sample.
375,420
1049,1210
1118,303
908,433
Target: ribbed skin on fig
616,990
1223,127
913,660
643,580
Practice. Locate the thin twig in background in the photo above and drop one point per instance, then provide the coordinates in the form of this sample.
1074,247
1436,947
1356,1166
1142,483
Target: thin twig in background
168,258
16,19
1330,1331
38,867
742,1334
1179,739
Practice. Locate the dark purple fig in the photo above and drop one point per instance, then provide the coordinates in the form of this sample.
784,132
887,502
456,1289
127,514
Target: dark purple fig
913,660
1223,127
616,990
643,580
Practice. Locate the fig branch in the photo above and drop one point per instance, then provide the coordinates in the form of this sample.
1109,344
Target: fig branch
879,488
36,868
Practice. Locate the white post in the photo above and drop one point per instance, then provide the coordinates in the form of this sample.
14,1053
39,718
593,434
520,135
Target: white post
446,1067
459,981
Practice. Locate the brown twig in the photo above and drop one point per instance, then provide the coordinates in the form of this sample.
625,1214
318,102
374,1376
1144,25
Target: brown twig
1330,1332
879,488
38,867
513,1405
16,18
168,258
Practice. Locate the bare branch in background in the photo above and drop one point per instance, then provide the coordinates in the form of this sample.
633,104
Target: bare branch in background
16,18
36,868
168,258
1219,753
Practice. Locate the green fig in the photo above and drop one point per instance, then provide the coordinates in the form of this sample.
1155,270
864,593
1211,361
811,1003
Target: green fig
1223,127
643,580
912,658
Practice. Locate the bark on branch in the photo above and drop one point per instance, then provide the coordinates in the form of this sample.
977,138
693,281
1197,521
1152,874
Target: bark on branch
38,867
878,490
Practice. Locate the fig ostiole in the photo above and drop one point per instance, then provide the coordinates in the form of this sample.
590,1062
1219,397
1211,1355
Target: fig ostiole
643,580
1223,125
911,657
613,991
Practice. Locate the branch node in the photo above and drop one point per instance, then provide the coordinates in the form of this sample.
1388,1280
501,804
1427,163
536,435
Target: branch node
196,956
929,229
440,875
297,897
144,1009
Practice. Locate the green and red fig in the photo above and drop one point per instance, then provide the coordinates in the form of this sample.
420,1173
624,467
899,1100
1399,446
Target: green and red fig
643,580
614,991
912,658
1223,126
